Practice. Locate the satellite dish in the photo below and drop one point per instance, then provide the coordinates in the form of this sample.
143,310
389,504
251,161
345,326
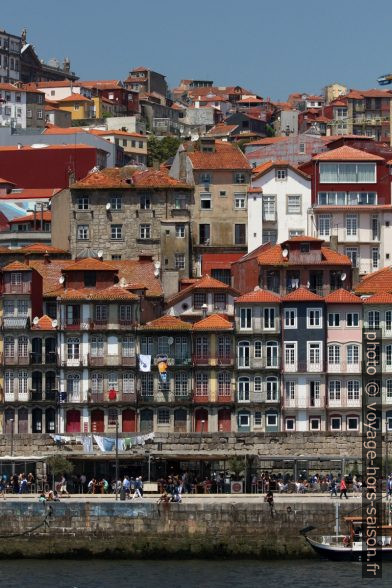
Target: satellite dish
100,253
343,277
54,323
285,252
123,282
61,279
156,273
35,320
157,265
256,288
308,284
108,206
170,340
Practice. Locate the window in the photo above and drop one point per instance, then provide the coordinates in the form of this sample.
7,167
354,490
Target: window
201,384
40,114
353,354
281,174
97,346
205,178
389,388
272,389
270,236
83,203
179,261
180,231
258,418
223,275
352,253
272,420
374,319
163,416
128,346
290,390
269,208
224,384
243,354
352,319
8,307
201,347
23,383
239,234
73,348
346,173
388,320
333,319
353,390
334,390
199,298
239,178
204,234
314,423
16,278
145,231
76,106
290,318
334,354
243,419
145,201
290,423
9,347
90,279
257,349
336,423
272,354
375,228
9,382
324,225
351,225
116,257
219,301
243,390
125,313
314,318
239,201
22,307
116,232
269,318
245,318
23,343
101,313
128,383
222,193
295,233
83,232
181,384
314,353
375,257
181,351
73,386
290,354
116,203
147,384
352,423
388,355
294,204
205,201
257,386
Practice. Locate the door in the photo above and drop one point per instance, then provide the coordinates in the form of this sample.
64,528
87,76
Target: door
129,421
224,420
180,419
36,350
22,421
146,421
97,421
50,420
50,350
73,421
201,420
36,420
9,418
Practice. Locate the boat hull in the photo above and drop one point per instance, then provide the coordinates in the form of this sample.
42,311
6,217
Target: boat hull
346,553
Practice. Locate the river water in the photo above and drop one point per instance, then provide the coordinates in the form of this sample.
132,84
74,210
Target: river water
185,574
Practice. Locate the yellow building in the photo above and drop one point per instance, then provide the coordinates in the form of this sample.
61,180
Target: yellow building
79,106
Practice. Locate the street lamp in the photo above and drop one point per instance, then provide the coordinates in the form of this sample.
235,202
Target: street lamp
116,457
12,444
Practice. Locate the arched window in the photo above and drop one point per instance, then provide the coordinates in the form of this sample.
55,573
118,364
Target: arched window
334,354
243,389
243,354
23,344
73,348
181,384
353,354
334,388
96,346
128,382
257,349
272,354
9,347
388,355
73,387
272,389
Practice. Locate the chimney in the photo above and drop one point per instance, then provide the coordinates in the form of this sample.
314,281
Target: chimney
333,242
20,146
182,166
46,258
27,258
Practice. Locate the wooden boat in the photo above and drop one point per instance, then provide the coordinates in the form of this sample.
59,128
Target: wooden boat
351,547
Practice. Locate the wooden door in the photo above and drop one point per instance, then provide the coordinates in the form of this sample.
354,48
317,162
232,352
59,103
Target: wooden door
97,421
201,414
73,421
129,421
224,420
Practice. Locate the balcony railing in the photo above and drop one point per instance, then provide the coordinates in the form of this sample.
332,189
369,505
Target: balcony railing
305,402
71,324
23,288
225,359
14,359
110,360
344,402
15,322
223,398
128,397
201,359
303,366
98,324
343,367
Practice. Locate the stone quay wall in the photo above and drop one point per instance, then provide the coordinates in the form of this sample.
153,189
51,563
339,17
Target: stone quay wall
146,529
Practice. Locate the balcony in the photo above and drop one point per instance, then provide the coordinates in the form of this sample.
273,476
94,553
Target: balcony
344,402
225,398
24,288
180,212
14,360
303,366
98,324
200,398
225,360
269,217
201,359
15,322
98,397
125,324
345,368
74,362
71,325
305,402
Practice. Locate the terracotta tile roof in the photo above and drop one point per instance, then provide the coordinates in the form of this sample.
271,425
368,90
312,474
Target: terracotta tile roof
46,215
40,248
45,323
63,130
254,190
167,323
222,129
78,146
212,323
342,296
260,296
378,281
204,283
114,292
226,156
263,168
346,153
273,256
30,193
100,84
75,98
372,93
379,298
302,295
267,141
50,272
3,181
117,132
16,266
89,263
130,178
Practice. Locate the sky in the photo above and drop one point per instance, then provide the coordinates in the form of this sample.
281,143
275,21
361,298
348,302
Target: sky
271,48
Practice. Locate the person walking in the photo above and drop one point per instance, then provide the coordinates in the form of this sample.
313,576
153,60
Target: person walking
332,487
389,487
138,488
343,488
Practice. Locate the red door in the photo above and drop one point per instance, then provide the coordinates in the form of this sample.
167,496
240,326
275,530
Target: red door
201,414
224,420
73,421
129,421
97,421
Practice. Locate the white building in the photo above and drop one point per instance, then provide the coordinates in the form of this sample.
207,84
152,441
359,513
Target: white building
278,203
21,108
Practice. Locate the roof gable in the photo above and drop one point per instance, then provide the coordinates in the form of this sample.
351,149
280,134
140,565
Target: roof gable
302,295
342,296
259,296
168,323
213,322
346,153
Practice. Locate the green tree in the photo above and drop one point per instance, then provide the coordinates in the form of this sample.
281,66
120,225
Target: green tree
161,150
58,464
236,467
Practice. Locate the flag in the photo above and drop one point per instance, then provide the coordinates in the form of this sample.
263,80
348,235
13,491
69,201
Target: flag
145,363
